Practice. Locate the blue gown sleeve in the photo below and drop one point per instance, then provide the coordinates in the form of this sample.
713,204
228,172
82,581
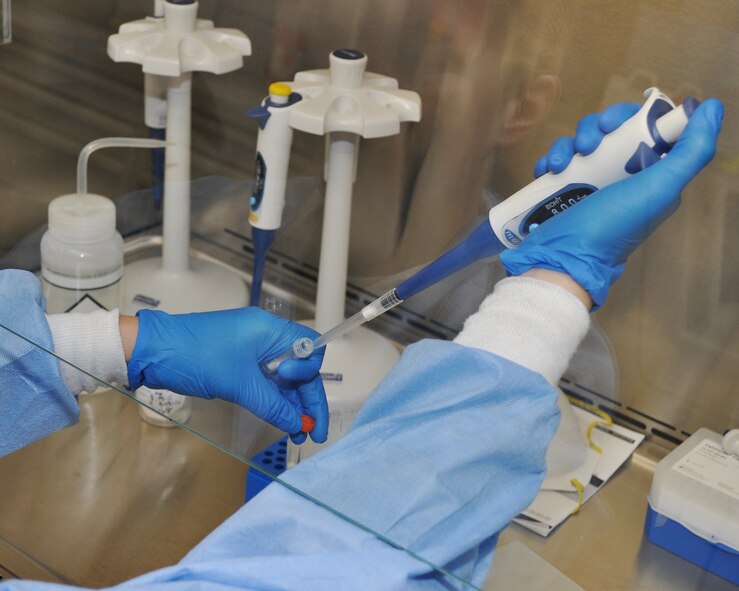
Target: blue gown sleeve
448,449
34,401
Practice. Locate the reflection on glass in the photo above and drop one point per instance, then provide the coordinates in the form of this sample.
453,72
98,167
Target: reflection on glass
210,428
6,34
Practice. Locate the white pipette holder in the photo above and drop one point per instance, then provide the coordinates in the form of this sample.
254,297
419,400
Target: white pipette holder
174,47
344,103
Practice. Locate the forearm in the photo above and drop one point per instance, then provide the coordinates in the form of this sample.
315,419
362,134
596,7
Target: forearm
536,320
564,281
98,343
129,329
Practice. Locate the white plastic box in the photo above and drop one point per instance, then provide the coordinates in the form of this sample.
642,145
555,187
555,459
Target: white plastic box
694,505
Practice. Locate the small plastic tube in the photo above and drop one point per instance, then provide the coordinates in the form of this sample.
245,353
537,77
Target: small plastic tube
109,142
308,424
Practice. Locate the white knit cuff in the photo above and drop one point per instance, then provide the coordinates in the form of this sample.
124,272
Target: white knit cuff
92,342
531,322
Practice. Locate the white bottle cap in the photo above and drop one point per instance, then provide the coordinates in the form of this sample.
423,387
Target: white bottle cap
81,219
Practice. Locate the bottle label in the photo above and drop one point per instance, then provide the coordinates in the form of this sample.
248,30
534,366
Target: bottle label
61,300
86,304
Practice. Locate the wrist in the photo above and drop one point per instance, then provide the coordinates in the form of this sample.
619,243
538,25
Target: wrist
92,342
155,341
564,281
532,322
129,329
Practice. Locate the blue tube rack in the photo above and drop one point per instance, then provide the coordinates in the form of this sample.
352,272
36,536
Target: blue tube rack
273,459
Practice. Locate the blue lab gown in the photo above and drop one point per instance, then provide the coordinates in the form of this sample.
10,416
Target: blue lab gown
448,449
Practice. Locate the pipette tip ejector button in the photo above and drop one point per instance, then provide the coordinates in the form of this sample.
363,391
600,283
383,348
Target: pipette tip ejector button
280,89
279,93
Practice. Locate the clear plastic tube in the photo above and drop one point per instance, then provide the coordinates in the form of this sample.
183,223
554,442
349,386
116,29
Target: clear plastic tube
109,142
302,348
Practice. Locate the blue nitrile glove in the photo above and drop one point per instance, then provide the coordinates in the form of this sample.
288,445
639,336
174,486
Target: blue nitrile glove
592,241
591,129
218,355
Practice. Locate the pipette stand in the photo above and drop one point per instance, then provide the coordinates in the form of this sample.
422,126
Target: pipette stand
174,47
345,103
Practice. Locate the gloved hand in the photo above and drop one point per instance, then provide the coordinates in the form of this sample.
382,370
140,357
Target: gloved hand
591,242
218,355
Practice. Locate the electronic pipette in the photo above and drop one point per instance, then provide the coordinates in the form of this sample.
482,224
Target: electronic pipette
638,143
270,175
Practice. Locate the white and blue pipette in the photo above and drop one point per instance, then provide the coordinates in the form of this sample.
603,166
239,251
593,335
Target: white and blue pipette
270,175
638,143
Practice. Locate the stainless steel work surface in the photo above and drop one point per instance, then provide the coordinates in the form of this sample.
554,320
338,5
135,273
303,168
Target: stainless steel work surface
517,567
604,547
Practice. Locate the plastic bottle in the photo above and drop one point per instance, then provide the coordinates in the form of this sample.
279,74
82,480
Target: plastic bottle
81,255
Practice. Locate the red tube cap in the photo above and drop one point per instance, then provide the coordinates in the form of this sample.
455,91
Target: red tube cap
308,424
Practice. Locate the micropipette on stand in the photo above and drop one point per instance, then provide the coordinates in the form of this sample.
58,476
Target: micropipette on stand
270,175
638,143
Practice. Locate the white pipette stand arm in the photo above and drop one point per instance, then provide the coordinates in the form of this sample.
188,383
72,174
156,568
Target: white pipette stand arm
179,43
174,47
346,98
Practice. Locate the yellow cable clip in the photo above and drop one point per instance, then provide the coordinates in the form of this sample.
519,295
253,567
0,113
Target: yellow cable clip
606,422
580,494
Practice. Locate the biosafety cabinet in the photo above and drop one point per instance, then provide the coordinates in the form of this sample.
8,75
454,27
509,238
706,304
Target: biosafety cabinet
498,82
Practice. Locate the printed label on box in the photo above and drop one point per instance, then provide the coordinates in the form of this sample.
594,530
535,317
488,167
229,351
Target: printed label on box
710,465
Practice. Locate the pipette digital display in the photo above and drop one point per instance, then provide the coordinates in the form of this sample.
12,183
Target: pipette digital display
640,142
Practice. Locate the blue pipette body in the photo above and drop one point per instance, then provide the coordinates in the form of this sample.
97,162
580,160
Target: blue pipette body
262,240
267,199
481,244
